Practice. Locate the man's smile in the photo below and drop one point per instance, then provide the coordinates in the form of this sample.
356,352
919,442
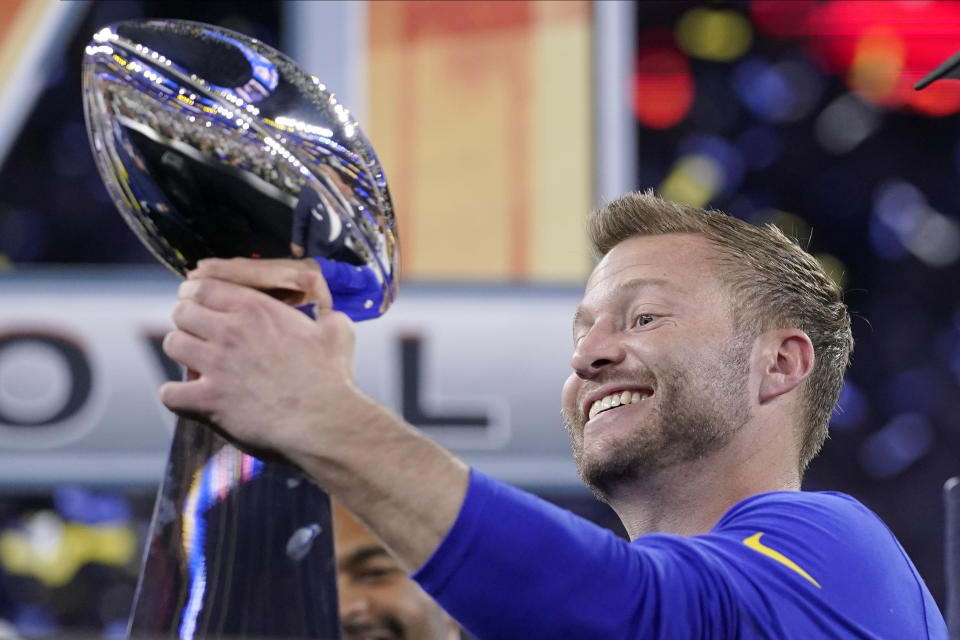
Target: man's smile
604,400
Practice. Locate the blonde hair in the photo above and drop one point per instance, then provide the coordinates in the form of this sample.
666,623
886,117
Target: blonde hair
773,283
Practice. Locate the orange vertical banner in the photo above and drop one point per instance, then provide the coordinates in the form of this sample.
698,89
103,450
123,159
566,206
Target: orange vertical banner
457,93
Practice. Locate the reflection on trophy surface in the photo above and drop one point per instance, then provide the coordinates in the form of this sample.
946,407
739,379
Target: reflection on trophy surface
213,144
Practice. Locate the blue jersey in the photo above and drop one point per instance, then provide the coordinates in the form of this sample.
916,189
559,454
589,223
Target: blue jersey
777,565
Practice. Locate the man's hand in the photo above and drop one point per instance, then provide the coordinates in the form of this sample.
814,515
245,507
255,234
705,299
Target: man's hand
294,281
271,378
264,372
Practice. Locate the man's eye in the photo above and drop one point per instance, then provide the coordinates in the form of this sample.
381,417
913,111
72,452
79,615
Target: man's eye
644,319
376,574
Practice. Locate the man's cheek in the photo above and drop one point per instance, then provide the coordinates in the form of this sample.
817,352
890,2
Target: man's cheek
568,396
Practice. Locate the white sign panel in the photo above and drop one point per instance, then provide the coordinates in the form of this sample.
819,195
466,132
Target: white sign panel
477,368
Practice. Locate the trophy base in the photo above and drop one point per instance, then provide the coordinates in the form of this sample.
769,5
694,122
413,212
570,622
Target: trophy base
237,547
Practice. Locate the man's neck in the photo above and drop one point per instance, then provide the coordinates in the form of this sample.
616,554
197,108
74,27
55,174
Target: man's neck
689,498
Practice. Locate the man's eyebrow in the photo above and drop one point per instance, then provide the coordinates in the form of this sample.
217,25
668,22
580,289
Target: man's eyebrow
636,283
361,555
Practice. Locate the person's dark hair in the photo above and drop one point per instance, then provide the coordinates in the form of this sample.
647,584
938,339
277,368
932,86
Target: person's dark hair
773,282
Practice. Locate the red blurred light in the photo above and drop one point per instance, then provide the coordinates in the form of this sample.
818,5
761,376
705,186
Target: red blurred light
663,87
929,32
786,19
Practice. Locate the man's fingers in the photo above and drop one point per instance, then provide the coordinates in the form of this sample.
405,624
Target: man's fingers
280,275
218,295
187,398
188,350
315,287
292,281
194,318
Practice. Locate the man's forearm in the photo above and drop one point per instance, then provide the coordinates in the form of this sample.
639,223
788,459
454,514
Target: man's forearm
405,487
275,380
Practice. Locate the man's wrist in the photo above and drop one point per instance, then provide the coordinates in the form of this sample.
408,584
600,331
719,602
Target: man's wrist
401,484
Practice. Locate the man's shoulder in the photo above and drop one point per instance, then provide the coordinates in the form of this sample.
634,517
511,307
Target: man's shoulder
832,535
838,555
801,508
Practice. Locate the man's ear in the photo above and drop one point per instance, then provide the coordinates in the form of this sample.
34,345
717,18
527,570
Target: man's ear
786,359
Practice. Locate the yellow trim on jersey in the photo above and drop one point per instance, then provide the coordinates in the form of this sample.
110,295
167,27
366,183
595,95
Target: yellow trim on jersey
754,543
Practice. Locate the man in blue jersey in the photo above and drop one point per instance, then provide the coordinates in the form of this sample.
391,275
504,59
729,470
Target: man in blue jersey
708,356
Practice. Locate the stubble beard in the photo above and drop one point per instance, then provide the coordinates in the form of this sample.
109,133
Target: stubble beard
686,423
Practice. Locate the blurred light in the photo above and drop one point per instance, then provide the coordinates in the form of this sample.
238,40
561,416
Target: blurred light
883,48
900,443
939,99
851,409
877,65
663,87
91,50
782,19
693,180
302,127
78,504
894,203
936,242
760,146
115,629
845,123
104,35
34,621
726,156
806,83
717,35
778,92
885,241
52,551
930,236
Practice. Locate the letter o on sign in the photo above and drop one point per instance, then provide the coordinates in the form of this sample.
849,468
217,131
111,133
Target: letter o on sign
44,379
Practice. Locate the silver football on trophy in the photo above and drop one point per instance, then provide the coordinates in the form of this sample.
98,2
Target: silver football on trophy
213,144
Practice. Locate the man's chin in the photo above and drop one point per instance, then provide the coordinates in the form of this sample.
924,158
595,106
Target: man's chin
612,470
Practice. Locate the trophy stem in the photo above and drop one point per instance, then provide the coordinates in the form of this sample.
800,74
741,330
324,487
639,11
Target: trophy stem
237,547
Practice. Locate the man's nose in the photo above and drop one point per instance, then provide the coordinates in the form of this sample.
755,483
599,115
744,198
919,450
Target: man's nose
601,347
353,600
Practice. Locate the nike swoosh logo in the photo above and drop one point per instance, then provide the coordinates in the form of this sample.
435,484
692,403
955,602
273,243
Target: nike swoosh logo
754,543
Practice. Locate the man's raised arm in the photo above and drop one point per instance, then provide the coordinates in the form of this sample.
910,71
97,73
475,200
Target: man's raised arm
269,377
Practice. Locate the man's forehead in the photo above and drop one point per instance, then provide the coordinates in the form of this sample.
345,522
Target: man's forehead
673,264
672,257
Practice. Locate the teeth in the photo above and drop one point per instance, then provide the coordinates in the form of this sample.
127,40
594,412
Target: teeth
614,400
